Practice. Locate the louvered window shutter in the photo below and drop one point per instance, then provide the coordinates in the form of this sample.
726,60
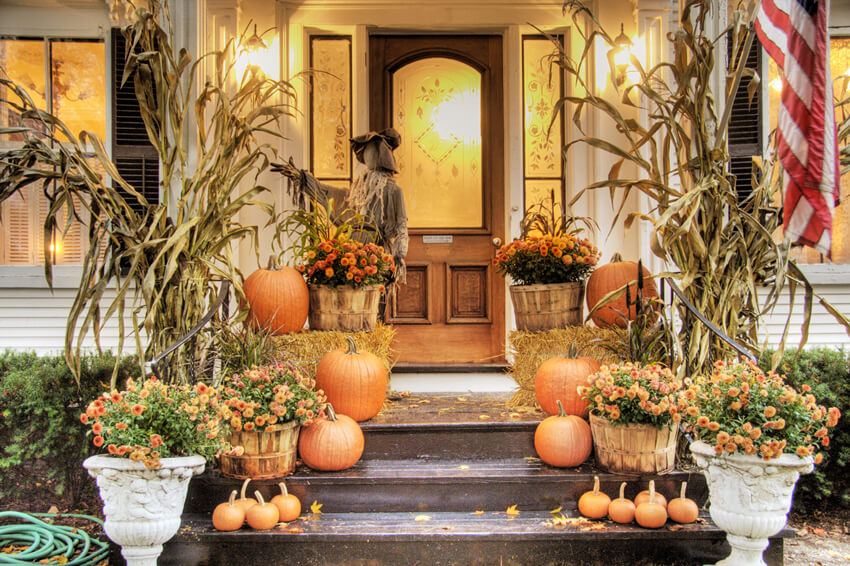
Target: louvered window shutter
744,140
132,152
17,225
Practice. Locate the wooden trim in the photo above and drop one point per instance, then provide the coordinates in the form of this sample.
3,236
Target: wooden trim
487,298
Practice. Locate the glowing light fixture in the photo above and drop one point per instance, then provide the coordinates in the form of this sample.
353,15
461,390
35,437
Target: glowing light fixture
621,54
257,56
776,84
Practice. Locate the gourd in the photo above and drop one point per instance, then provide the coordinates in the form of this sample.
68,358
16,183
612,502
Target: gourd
263,515
331,444
243,502
622,510
354,382
594,504
651,514
643,496
228,516
563,440
278,299
610,277
682,509
288,506
559,378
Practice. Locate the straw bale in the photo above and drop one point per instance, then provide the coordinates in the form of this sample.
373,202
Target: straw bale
530,349
307,347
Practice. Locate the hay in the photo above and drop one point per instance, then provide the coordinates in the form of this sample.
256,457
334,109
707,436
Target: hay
306,348
530,349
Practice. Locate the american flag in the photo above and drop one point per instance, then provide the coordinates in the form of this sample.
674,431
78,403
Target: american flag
794,33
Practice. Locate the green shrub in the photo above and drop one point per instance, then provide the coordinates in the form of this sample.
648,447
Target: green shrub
827,371
40,429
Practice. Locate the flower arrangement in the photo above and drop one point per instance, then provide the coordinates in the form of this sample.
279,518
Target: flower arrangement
634,394
343,261
547,258
740,409
153,420
264,396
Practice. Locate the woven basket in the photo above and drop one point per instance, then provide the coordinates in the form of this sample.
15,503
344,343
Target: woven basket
544,307
635,449
268,454
344,308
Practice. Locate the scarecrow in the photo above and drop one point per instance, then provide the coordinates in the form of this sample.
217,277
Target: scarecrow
374,193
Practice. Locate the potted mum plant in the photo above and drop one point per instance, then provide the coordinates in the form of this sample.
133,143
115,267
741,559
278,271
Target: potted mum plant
755,436
548,265
156,437
634,414
265,407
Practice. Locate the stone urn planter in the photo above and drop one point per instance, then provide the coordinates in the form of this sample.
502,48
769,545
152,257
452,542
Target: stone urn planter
750,498
142,507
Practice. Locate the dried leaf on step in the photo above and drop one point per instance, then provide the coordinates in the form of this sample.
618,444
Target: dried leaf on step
820,532
316,508
462,399
558,510
414,406
448,528
515,416
425,401
421,518
512,511
295,530
483,417
478,512
463,467
531,459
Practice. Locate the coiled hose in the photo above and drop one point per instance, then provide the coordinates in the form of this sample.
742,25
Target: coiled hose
38,542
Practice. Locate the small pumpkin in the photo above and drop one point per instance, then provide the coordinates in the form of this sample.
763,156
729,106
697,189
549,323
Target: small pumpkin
355,382
228,516
243,502
622,510
563,440
331,444
610,277
651,514
643,496
594,504
288,506
278,299
263,515
682,509
559,378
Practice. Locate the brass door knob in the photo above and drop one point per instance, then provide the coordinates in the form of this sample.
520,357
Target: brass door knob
497,242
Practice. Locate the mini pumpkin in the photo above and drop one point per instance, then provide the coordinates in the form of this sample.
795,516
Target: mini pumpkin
278,299
622,510
643,497
243,502
563,440
288,506
651,514
263,515
228,516
355,382
559,378
610,277
682,509
331,444
594,504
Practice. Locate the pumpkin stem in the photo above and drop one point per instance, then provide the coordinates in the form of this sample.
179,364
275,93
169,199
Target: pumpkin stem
616,258
623,490
259,497
561,411
272,265
231,501
245,486
352,347
331,412
283,491
652,491
595,485
682,490
572,351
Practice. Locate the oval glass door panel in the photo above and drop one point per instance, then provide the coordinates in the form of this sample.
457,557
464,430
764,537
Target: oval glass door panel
437,111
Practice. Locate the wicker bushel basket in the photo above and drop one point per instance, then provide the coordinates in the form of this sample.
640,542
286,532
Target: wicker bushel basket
268,454
633,448
344,308
544,307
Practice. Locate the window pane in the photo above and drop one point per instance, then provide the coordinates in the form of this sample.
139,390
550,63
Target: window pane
437,111
539,190
23,60
541,91
331,107
79,85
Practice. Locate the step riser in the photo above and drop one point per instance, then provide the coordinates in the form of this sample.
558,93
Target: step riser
467,442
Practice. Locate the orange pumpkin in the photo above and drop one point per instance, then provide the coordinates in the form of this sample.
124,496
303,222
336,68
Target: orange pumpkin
288,506
682,509
278,299
610,277
563,440
650,513
558,379
594,504
263,515
331,444
243,502
228,516
643,497
622,510
354,382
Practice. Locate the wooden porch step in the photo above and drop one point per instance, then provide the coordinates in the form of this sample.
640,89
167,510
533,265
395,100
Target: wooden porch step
450,538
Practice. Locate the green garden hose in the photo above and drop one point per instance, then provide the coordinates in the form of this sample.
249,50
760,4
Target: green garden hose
38,542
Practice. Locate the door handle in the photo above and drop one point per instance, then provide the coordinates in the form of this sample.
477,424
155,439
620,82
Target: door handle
497,242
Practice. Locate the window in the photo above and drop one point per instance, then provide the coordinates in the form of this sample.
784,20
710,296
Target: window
330,105
66,77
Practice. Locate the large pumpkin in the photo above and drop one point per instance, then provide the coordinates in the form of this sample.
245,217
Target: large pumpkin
558,379
563,440
278,299
611,277
331,444
354,382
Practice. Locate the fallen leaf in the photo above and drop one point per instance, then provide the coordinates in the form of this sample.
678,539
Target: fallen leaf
53,510
464,467
483,417
462,399
448,528
820,532
421,518
316,508
532,458
414,406
558,510
478,512
404,394
515,416
425,401
512,511
295,530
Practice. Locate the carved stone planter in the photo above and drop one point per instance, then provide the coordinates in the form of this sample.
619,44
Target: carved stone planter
142,507
750,498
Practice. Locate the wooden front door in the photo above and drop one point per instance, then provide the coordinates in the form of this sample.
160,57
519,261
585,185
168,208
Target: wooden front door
444,96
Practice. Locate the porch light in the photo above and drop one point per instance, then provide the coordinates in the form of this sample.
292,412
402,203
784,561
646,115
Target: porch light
258,56
620,54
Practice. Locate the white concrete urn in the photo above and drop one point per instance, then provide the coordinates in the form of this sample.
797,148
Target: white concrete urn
142,507
750,498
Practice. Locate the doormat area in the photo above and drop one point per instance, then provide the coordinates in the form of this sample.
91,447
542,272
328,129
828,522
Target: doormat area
530,349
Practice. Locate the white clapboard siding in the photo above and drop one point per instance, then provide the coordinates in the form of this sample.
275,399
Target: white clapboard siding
823,331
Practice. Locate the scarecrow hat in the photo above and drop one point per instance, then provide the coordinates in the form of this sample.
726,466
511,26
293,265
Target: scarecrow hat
387,141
